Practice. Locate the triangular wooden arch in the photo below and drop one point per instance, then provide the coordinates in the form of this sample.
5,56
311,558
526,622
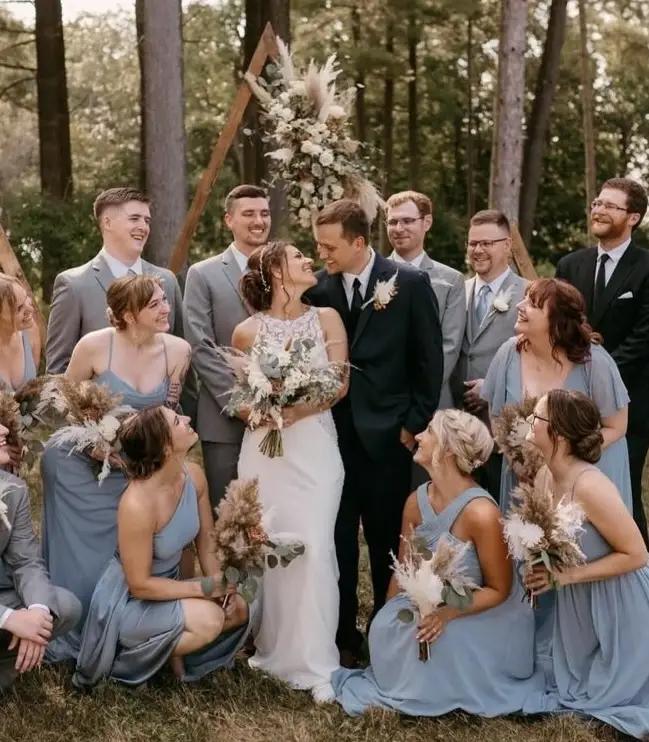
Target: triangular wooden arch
267,47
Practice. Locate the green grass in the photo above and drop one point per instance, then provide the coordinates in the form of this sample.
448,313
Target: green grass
244,706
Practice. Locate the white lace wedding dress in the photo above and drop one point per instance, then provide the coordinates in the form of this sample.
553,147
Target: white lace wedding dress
301,489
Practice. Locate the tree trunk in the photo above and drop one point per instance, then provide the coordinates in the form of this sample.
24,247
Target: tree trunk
53,121
413,117
507,148
587,112
539,121
388,120
163,122
361,116
470,150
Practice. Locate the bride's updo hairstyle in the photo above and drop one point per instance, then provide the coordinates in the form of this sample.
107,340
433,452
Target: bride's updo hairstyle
463,436
575,417
256,284
129,294
145,440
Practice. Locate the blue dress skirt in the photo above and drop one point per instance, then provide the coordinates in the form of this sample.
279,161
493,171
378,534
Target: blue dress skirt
482,664
130,640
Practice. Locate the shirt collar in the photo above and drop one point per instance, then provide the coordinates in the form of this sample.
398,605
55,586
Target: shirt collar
119,269
494,285
363,276
616,253
242,260
415,262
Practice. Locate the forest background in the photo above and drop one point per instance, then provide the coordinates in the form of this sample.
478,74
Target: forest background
74,110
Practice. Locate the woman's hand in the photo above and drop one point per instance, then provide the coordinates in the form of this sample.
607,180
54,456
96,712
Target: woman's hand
291,415
538,580
431,626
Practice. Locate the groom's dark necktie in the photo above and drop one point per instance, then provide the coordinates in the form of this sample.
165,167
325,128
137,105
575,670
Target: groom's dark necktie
355,309
600,281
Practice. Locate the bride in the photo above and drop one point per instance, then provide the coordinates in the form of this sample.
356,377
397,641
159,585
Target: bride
300,490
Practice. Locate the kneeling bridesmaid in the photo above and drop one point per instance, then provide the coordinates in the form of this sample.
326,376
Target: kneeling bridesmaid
481,659
600,654
141,614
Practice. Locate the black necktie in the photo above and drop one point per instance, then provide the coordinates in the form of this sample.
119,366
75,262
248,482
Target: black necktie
355,309
600,281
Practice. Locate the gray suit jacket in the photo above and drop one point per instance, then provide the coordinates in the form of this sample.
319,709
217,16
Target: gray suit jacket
213,308
481,343
448,286
21,567
79,307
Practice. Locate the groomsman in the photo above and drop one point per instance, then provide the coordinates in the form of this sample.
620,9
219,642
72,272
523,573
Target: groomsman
409,216
614,279
32,610
213,308
79,298
396,373
488,326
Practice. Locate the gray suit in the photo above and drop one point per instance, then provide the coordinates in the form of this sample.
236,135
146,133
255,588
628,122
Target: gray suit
481,343
448,286
23,577
213,308
79,307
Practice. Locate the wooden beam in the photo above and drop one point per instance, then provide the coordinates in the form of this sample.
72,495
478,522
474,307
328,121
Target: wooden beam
267,47
11,266
521,257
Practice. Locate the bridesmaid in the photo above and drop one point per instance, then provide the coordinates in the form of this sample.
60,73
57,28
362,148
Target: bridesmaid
142,615
139,361
556,349
600,653
18,357
481,659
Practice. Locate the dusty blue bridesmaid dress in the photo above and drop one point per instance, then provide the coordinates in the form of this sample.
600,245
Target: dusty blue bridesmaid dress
29,371
482,664
130,640
79,533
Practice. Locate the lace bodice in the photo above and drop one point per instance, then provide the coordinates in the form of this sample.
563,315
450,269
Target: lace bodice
307,325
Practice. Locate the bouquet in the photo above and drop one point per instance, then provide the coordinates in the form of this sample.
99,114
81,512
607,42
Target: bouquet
539,530
432,578
274,376
306,123
242,543
85,416
510,429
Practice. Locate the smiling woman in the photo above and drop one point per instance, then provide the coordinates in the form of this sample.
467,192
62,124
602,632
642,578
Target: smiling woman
17,361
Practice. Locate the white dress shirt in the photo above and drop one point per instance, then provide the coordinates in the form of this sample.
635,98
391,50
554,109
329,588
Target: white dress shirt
614,255
494,285
415,262
119,269
242,260
363,277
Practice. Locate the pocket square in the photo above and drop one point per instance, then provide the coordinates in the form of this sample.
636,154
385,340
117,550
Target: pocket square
626,295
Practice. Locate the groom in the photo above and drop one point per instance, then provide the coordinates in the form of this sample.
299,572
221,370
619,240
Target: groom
397,368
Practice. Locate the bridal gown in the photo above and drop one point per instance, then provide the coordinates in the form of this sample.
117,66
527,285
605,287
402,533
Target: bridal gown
300,491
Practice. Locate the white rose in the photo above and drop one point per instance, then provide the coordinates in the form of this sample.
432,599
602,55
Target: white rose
307,186
309,148
316,170
326,158
337,191
286,114
108,427
337,112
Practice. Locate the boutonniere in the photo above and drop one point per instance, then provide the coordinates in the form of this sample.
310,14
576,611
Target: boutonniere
502,301
384,292
4,491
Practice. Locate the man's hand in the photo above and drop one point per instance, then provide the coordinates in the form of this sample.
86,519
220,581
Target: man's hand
34,624
473,402
30,654
408,439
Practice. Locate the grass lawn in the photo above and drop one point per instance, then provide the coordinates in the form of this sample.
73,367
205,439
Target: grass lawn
243,706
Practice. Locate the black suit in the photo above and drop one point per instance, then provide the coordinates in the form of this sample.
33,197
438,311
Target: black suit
396,376
624,325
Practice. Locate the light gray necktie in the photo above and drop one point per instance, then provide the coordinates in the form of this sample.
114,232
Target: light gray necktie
482,304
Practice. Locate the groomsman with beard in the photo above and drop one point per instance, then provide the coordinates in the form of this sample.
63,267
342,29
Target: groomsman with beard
213,308
614,279
79,297
409,216
489,323
397,368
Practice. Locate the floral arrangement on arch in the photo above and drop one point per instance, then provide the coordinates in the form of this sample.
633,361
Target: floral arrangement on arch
305,122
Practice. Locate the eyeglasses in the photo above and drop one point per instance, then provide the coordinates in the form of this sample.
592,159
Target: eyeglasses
531,419
407,221
606,205
486,244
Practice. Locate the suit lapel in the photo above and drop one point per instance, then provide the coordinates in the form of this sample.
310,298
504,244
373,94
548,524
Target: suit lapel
381,269
233,274
622,270
102,272
585,280
469,288
505,288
